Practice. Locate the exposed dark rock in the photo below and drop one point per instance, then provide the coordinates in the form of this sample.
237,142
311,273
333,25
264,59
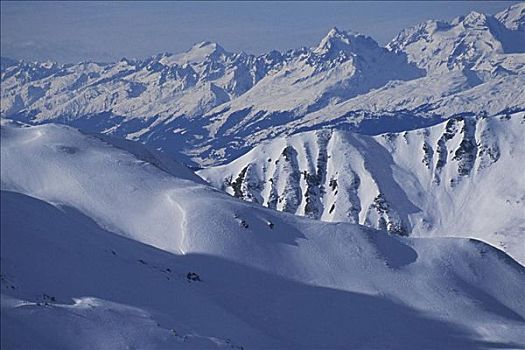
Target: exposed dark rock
192,276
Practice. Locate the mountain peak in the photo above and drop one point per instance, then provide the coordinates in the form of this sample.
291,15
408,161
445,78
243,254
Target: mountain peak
206,48
338,40
202,51
334,32
464,42
475,19
513,17
207,44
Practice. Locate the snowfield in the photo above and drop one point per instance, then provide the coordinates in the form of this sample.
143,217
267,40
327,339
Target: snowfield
463,177
97,244
343,196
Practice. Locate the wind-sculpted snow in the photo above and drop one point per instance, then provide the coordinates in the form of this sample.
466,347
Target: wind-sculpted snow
463,177
104,249
213,105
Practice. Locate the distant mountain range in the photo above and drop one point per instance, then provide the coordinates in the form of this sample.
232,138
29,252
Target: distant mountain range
208,106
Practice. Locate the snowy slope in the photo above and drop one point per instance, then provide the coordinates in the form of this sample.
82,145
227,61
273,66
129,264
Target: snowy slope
96,245
423,182
213,105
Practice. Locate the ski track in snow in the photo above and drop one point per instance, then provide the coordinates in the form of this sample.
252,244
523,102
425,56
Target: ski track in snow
172,197
254,278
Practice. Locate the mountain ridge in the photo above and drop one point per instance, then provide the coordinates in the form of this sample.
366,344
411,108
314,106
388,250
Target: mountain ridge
421,182
74,245
212,105
352,196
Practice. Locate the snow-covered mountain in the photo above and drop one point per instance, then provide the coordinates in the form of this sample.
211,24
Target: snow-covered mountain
480,45
105,245
212,105
513,18
164,99
463,177
355,196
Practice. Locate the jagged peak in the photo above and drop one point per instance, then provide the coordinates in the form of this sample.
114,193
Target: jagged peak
413,33
335,35
513,17
200,52
334,32
473,19
339,40
472,22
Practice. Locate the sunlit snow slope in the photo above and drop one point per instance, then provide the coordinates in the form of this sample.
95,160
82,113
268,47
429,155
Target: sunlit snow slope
464,177
97,242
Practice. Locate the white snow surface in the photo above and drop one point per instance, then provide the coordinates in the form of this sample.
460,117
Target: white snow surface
212,105
463,177
97,242
391,181
468,43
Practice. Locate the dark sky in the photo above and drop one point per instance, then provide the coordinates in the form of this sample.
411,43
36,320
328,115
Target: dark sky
105,31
